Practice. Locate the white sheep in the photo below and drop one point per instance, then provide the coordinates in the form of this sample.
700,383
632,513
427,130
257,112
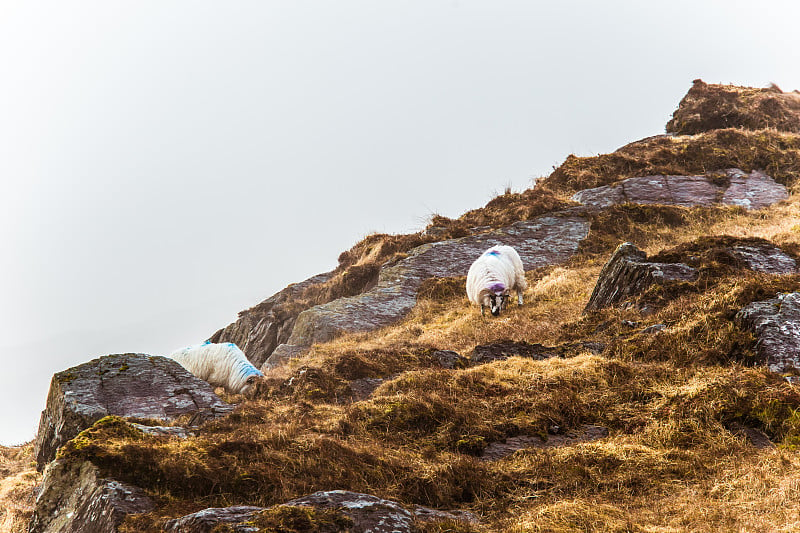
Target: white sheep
492,277
222,365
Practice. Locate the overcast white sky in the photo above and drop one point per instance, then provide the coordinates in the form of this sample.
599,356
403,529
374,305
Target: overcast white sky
167,164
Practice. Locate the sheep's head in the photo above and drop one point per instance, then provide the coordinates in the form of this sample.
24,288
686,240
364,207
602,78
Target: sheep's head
249,383
497,302
495,298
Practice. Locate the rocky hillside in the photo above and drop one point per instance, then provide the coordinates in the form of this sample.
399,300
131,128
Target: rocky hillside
649,382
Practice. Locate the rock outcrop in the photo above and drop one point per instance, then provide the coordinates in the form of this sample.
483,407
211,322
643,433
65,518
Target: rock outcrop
540,242
729,187
758,255
74,499
367,514
260,329
628,273
776,324
126,385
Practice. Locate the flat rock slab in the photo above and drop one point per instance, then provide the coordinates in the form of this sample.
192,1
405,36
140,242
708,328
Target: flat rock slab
369,514
206,520
486,353
126,385
764,258
450,360
731,187
543,241
363,388
73,499
628,272
498,450
776,324
754,436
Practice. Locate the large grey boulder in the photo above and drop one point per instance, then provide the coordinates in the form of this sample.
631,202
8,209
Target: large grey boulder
127,385
729,187
543,241
501,350
628,273
776,324
74,499
369,514
260,329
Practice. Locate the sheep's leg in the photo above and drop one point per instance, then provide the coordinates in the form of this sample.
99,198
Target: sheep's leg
519,297
482,310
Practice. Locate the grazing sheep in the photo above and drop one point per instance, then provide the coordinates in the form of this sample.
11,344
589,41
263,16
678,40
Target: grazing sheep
492,277
223,365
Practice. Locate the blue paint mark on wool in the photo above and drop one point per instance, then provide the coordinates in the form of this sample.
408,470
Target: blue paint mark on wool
253,371
493,252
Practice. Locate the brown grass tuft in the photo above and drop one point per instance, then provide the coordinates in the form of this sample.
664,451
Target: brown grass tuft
510,207
776,153
18,478
708,107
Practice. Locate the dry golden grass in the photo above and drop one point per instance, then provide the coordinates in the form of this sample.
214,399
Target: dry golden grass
18,477
709,106
674,461
753,492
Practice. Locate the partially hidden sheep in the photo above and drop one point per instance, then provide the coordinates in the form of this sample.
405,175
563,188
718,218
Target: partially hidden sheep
221,365
492,277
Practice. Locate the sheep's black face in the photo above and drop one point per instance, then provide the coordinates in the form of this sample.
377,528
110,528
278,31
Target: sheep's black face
497,303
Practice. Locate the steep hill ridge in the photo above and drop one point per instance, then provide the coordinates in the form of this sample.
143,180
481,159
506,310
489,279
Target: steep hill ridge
722,156
687,428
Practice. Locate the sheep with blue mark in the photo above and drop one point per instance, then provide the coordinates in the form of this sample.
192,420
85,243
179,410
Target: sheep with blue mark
221,365
493,276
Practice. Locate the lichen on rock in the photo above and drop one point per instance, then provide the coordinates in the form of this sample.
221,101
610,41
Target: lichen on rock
127,385
776,324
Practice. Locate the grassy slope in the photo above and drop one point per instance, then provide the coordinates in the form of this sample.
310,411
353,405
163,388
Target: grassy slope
675,459
672,401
